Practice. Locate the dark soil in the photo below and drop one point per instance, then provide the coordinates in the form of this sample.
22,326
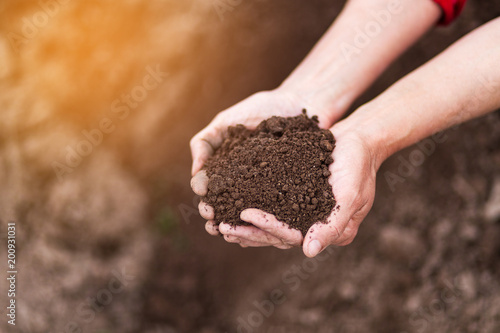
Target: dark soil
281,167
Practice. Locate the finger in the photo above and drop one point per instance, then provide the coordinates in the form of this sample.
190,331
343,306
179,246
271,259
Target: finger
349,234
249,243
283,247
320,235
206,211
199,183
232,239
347,188
341,227
204,143
249,233
271,225
212,228
201,150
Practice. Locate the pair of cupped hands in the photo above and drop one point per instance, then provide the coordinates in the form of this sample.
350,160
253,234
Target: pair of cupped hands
352,177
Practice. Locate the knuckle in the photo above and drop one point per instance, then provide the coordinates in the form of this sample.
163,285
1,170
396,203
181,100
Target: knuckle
350,235
334,231
358,200
230,239
292,241
269,238
282,246
290,244
350,195
346,242
193,142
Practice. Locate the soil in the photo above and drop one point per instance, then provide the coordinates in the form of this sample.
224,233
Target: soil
281,167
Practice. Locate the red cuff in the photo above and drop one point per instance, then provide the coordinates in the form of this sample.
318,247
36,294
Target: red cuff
451,9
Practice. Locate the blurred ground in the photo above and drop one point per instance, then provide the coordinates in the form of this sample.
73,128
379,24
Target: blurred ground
112,243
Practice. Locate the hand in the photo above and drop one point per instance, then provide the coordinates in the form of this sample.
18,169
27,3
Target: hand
353,182
353,179
250,112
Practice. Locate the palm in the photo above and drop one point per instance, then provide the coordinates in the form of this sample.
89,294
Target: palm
353,184
352,179
249,112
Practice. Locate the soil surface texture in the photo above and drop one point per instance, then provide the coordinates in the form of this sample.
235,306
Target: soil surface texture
281,167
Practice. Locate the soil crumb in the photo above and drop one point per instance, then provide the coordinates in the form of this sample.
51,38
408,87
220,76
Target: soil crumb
281,167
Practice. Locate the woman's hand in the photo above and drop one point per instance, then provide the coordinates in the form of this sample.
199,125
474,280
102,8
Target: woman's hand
353,182
249,112
325,83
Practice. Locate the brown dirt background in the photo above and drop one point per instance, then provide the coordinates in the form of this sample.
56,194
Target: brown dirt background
426,258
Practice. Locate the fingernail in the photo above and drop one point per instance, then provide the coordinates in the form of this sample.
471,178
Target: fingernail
314,248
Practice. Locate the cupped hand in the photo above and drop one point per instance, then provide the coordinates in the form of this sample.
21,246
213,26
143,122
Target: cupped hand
249,112
353,183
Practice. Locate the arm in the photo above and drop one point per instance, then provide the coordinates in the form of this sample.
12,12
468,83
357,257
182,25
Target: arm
366,37
362,42
461,83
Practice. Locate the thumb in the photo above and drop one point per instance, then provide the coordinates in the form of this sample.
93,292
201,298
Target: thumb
201,150
320,235
204,143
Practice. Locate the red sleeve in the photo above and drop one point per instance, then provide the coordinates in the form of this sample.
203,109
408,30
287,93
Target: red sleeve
451,9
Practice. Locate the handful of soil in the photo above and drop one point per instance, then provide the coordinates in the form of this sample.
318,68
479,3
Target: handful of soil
281,167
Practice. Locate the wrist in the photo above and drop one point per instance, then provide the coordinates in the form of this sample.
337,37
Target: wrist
365,128
329,101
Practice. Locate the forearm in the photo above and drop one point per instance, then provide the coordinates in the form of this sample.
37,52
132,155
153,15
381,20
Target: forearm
461,83
364,39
